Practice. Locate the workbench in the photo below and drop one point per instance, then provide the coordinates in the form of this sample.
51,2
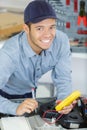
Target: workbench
31,121
37,123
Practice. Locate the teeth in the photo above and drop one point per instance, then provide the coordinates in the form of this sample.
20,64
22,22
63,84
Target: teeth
45,41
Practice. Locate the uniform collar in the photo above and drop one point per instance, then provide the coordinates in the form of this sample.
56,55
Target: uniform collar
26,46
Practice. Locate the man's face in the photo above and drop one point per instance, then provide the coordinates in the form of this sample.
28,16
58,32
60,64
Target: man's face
41,34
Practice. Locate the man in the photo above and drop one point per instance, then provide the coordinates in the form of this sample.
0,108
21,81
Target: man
25,57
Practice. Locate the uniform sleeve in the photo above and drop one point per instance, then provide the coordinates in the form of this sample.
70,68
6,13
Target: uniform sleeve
7,106
7,67
61,74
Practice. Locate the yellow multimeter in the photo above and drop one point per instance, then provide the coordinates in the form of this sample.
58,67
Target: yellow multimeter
68,100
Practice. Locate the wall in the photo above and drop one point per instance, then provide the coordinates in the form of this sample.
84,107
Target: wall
79,72
14,4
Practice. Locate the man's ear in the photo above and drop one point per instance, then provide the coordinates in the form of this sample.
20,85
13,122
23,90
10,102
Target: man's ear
26,28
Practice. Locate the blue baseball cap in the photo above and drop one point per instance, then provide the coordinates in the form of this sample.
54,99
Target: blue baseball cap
37,11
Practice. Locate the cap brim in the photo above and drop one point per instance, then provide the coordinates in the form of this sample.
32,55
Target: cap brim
36,20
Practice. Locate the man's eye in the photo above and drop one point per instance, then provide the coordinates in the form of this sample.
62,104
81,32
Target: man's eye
40,29
53,27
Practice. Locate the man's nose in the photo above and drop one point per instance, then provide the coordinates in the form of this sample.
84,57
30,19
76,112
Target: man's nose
47,32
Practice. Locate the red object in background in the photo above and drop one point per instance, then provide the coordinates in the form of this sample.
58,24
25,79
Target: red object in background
85,44
67,24
75,5
82,32
67,2
82,19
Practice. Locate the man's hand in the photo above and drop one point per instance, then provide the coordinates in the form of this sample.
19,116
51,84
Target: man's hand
27,106
67,109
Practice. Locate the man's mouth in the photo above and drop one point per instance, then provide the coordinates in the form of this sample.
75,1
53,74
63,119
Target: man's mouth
45,41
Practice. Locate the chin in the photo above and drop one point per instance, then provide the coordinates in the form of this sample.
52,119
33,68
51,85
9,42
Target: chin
46,47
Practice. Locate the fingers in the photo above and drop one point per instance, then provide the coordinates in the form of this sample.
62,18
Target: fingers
31,106
31,103
27,106
74,103
58,101
66,109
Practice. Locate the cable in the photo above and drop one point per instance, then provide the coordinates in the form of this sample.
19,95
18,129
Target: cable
44,115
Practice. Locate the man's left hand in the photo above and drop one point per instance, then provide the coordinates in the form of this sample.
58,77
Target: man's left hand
68,109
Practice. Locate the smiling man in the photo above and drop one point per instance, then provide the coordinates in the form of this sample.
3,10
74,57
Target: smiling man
28,55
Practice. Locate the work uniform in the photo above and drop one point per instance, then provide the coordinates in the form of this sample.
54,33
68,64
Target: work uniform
21,68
